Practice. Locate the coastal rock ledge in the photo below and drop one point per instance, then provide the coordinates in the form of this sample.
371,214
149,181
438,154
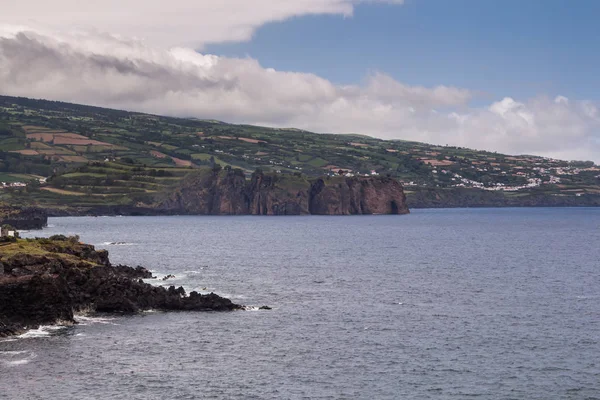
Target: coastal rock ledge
47,281
23,217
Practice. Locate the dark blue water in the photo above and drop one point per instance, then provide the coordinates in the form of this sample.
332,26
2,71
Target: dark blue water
440,304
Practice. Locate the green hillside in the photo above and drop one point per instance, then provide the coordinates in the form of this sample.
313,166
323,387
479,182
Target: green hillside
57,155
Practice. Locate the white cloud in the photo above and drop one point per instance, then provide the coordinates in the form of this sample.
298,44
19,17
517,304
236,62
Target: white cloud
114,72
168,23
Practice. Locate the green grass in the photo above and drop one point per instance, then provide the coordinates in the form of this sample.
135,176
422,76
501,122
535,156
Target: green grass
177,137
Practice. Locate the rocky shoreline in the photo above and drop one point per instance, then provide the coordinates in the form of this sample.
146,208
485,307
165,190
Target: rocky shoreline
48,281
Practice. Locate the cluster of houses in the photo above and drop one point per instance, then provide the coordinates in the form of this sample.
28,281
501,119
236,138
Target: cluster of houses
12,184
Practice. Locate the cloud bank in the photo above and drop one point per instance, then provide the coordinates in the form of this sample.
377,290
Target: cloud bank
176,22
110,71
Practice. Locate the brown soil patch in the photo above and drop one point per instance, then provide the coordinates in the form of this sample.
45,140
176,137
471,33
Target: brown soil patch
438,163
358,144
44,137
391,150
158,154
181,163
26,152
66,139
73,159
61,191
248,140
59,139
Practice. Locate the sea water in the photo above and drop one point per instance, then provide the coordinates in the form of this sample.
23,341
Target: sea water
439,304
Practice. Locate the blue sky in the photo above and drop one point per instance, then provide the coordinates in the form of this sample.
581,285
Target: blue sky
517,48
513,76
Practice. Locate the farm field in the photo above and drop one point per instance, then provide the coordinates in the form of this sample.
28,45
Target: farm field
71,154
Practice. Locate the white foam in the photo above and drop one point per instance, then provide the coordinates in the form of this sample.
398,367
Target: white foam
17,362
87,320
13,353
42,331
14,358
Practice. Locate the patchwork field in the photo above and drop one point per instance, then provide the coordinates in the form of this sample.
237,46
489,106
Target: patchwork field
96,156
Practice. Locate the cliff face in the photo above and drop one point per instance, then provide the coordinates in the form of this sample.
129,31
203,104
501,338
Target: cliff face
272,195
210,194
353,196
23,218
229,193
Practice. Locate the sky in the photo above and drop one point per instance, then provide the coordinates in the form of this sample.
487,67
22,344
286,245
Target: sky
517,77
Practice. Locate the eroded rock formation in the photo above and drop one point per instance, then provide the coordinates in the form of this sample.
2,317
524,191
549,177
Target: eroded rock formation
229,193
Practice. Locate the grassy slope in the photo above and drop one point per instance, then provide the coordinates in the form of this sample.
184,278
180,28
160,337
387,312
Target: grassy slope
96,156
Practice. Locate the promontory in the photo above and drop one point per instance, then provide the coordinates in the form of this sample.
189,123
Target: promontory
48,281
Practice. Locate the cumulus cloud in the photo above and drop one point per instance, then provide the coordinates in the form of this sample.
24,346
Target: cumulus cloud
111,71
168,23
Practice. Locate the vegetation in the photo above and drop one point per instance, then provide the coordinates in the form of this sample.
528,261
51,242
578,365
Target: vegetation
60,155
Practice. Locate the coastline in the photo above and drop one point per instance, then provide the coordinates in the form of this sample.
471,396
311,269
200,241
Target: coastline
48,281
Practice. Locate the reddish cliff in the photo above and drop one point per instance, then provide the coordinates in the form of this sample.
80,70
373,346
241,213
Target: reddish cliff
352,196
227,192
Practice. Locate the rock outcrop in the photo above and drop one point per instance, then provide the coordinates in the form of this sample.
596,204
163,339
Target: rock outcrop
49,280
352,196
228,192
23,217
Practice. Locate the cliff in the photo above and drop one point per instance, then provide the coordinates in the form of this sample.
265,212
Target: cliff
44,281
23,218
352,196
228,192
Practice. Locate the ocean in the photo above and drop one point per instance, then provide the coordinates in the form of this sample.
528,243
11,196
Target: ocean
438,304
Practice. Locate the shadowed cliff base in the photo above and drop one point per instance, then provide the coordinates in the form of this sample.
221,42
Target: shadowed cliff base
23,217
228,192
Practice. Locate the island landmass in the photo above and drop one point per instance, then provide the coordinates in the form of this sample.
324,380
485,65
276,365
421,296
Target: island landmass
72,159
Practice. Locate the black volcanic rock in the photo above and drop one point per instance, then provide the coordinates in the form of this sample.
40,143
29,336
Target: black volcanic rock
51,279
23,218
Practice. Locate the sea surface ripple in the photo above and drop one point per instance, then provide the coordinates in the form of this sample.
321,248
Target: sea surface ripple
439,304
